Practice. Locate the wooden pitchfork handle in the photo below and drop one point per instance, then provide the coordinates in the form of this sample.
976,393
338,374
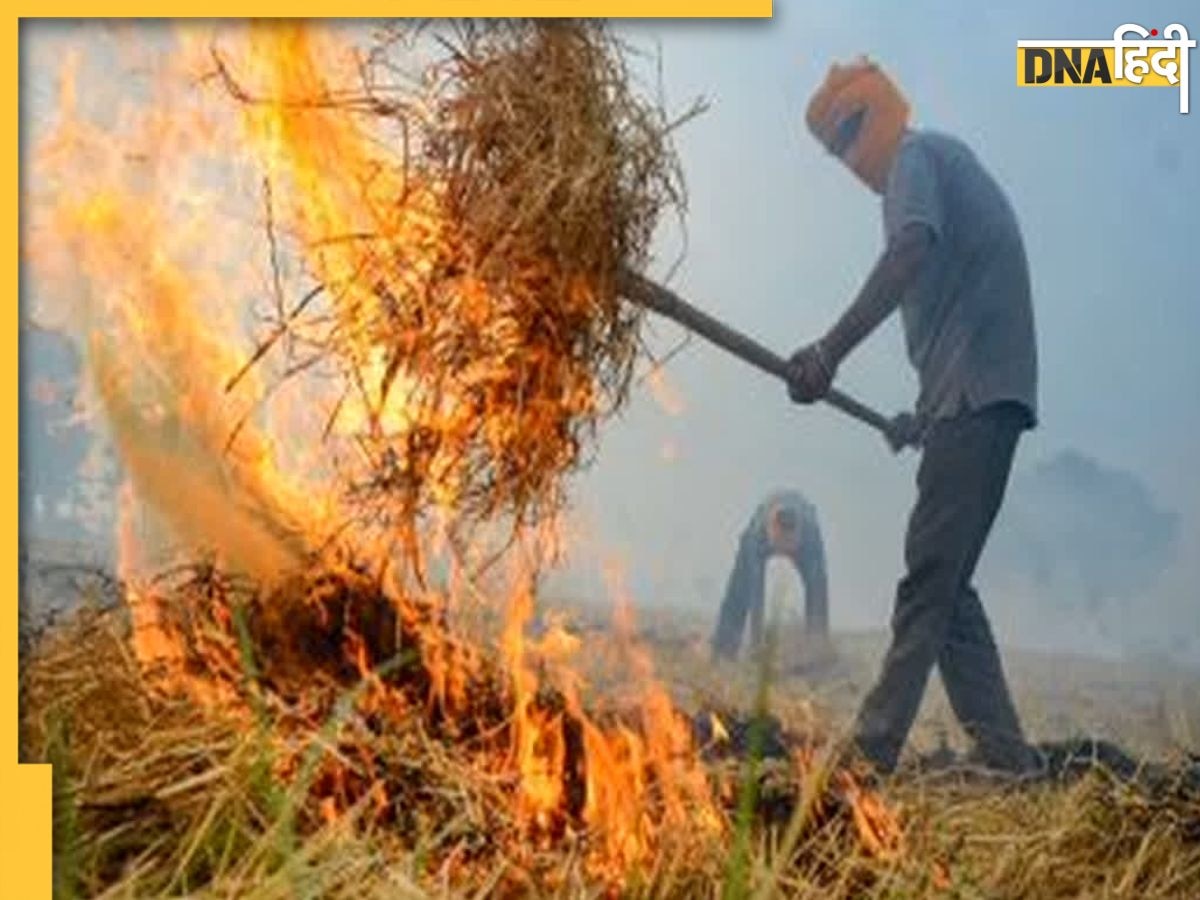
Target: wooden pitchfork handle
667,303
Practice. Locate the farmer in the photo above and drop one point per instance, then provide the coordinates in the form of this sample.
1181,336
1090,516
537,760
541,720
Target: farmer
955,264
784,524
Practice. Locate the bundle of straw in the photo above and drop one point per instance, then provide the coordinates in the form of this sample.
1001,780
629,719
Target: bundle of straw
478,318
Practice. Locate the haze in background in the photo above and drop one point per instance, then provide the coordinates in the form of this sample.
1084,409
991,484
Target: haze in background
1105,184
779,237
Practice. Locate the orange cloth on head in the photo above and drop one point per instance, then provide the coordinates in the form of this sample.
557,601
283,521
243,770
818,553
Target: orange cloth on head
861,86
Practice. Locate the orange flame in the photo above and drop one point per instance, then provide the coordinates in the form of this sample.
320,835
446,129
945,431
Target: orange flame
878,828
149,239
665,392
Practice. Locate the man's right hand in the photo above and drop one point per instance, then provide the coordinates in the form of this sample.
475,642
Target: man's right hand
810,373
905,430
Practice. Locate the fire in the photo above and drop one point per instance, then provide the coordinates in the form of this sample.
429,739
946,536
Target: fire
876,824
629,783
665,392
538,752
158,224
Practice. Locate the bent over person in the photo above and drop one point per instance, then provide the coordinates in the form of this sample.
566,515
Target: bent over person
784,524
955,264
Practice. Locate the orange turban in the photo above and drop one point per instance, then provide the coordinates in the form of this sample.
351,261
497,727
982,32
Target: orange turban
860,87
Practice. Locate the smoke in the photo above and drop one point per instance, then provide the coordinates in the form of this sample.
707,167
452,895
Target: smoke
65,475
1079,554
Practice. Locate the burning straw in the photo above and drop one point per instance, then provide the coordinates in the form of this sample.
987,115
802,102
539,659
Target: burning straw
444,253
284,713
232,771
468,234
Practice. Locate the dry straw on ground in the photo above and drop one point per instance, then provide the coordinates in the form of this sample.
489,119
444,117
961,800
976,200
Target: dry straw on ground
230,766
159,796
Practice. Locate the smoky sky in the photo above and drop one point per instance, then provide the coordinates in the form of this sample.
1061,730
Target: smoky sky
1070,517
777,238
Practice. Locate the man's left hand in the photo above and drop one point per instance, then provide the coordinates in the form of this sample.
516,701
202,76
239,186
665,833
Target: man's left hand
904,430
810,373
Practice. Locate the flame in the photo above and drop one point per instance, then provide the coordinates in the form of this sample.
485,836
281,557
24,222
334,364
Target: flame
148,226
878,828
538,752
665,392
124,238
940,876
633,781
720,735
145,258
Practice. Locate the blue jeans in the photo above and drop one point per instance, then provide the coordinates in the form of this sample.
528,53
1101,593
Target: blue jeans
745,592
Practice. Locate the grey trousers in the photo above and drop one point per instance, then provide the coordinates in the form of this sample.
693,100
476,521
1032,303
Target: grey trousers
938,617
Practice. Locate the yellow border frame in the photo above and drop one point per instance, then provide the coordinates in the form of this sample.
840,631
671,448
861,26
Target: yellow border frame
25,811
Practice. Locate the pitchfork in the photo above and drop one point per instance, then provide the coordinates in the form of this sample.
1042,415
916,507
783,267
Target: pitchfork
667,303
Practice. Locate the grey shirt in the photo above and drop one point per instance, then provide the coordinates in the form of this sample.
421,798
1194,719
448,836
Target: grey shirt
968,319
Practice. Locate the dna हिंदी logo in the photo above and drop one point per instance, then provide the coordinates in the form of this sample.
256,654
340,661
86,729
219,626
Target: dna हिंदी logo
1134,57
